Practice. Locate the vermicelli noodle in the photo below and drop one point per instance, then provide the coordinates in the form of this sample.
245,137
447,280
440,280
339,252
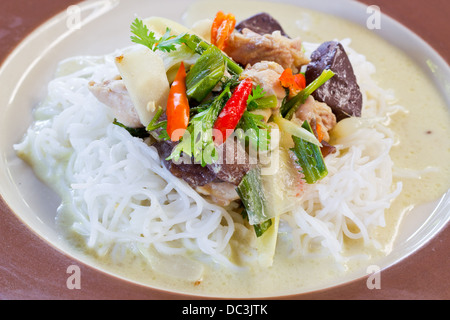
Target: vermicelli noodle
121,198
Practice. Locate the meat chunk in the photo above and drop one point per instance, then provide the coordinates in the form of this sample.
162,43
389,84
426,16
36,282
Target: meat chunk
342,92
320,113
261,23
194,174
250,47
114,94
232,165
267,75
233,162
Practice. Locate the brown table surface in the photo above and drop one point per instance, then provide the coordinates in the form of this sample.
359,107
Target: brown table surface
41,274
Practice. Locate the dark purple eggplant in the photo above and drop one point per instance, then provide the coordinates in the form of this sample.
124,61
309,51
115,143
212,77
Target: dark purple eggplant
261,23
341,93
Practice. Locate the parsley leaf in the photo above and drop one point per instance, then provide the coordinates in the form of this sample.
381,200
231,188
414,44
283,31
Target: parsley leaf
257,93
259,100
142,35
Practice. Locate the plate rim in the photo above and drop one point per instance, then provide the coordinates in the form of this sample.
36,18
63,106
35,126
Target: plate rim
10,56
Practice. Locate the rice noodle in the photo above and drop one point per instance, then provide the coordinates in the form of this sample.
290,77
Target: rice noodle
120,192
352,199
120,195
349,201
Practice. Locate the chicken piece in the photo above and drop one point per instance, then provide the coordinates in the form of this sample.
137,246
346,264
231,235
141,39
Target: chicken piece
221,193
267,75
319,111
250,47
114,94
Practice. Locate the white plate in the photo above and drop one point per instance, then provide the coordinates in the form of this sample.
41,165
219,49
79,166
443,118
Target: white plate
104,28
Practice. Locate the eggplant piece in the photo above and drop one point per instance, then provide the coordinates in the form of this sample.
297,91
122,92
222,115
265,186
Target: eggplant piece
341,93
261,23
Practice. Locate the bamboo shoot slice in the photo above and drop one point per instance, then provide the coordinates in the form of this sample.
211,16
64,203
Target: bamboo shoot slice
144,75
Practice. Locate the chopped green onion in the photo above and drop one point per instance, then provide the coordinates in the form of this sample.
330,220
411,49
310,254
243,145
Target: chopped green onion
309,157
205,74
262,227
135,132
199,46
251,192
255,131
269,102
152,126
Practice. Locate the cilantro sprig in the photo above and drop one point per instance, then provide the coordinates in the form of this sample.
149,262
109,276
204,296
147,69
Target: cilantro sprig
142,35
257,93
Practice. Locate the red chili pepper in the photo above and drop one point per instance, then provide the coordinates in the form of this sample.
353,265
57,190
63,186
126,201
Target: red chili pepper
233,110
223,25
177,110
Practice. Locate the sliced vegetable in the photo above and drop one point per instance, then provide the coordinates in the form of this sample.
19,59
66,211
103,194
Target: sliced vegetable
256,131
251,192
266,243
268,194
135,132
173,59
309,158
261,228
144,76
233,110
223,25
198,142
205,74
320,132
290,107
259,100
296,130
294,83
142,35
154,125
269,102
159,26
177,110
199,46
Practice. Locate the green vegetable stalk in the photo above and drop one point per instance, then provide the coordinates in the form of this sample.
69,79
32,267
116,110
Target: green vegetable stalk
309,158
290,107
199,46
251,192
205,74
